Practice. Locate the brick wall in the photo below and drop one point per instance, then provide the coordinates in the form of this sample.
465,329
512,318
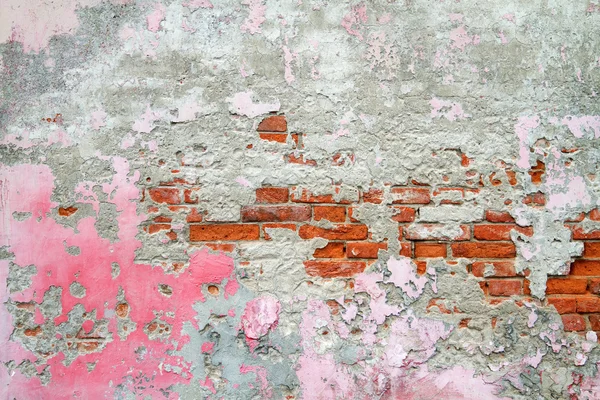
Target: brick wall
350,248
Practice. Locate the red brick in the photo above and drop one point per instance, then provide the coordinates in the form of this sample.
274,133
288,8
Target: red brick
594,286
224,247
563,305
403,195
566,286
275,213
364,249
498,216
293,159
67,211
404,214
373,196
428,232
537,198
331,250
226,232
589,304
580,217
307,197
591,249
594,215
334,269
194,216
573,322
165,195
595,321
498,231
484,250
500,268
580,234
272,195
190,196
425,250
585,267
162,218
274,137
276,226
504,287
405,249
338,232
333,214
275,123
154,228
458,192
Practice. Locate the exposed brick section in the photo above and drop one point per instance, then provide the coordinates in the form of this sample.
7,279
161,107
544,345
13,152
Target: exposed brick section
403,214
374,196
498,231
426,250
274,137
591,250
226,232
573,322
563,305
334,269
165,195
586,267
495,268
333,214
566,286
331,250
272,195
338,232
364,249
403,195
275,123
588,304
484,250
498,216
306,196
67,211
275,213
504,287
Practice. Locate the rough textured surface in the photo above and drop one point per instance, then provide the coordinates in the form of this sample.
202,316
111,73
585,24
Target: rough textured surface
299,199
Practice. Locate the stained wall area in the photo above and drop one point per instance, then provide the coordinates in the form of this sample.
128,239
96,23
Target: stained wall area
299,199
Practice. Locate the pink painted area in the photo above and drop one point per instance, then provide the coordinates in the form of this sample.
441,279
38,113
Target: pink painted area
354,19
242,105
444,108
260,316
256,16
380,310
156,17
145,123
288,59
580,125
98,119
231,287
207,347
209,384
385,19
522,128
460,39
33,23
187,112
564,189
404,275
186,27
244,182
243,71
266,392
502,37
455,17
509,17
195,4
39,241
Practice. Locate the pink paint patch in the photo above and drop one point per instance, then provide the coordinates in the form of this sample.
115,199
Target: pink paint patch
242,105
379,308
260,316
447,109
455,17
288,58
255,17
145,123
460,38
187,112
261,377
404,275
207,347
156,17
580,125
357,16
522,128
243,181
98,119
195,4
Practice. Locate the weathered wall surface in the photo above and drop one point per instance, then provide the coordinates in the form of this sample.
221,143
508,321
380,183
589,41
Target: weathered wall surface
299,199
